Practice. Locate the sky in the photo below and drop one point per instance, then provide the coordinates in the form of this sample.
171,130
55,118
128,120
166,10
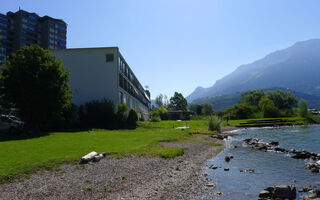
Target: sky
178,45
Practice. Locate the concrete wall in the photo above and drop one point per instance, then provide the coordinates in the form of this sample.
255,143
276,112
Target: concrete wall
91,77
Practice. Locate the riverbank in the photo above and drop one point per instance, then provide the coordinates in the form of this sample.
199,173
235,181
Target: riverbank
130,177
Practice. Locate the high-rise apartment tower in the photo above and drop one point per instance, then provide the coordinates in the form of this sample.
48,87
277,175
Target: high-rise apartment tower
22,28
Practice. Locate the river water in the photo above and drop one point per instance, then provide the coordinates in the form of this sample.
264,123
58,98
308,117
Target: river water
270,168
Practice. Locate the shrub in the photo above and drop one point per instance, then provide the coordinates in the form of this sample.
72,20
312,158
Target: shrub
132,118
163,112
214,123
120,115
155,116
97,114
240,111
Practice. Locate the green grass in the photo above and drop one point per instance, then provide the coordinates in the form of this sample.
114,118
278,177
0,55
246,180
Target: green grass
22,156
19,158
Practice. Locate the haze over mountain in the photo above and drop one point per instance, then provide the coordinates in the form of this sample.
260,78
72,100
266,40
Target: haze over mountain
296,68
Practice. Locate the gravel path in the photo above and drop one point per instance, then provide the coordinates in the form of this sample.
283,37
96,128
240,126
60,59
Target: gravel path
127,178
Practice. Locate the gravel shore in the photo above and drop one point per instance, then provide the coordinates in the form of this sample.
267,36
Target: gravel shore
126,178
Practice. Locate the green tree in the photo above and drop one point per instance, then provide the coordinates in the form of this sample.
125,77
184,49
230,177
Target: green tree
251,97
163,112
37,84
281,99
303,108
268,108
159,100
207,108
178,102
240,111
155,116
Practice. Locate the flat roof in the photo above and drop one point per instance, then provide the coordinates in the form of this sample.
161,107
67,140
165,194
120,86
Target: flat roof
85,48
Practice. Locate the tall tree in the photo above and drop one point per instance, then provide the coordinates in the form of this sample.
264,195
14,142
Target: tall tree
207,108
281,99
303,108
159,100
251,97
36,83
178,102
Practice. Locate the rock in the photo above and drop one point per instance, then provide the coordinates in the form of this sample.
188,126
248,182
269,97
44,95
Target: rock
241,170
274,143
97,158
314,170
305,189
87,158
301,155
228,158
210,184
279,149
226,169
265,194
315,195
219,193
213,167
249,170
219,137
284,192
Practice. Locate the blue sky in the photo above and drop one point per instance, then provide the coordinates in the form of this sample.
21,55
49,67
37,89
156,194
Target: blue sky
177,45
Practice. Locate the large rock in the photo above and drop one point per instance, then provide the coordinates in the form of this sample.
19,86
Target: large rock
265,194
284,192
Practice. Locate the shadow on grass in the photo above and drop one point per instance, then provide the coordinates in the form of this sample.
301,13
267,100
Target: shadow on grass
7,136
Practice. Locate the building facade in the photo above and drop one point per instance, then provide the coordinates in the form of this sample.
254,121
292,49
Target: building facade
23,28
97,73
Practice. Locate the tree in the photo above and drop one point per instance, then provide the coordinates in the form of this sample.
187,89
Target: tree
251,97
159,100
303,108
37,84
268,108
163,112
207,108
281,99
132,118
178,102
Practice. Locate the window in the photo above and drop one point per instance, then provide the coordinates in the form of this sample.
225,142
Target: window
3,25
109,57
3,18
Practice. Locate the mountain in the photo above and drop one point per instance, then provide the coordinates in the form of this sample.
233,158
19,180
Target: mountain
221,102
296,68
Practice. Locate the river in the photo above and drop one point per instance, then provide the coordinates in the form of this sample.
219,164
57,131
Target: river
270,168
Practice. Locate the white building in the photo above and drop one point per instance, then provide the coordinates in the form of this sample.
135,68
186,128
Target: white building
98,73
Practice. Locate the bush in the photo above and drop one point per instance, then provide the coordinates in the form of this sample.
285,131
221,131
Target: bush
120,115
214,123
163,112
97,114
155,116
240,111
132,118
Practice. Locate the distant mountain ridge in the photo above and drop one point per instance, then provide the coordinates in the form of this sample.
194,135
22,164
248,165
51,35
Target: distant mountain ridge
296,68
221,102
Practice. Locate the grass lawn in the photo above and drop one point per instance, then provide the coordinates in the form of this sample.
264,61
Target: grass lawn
20,157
